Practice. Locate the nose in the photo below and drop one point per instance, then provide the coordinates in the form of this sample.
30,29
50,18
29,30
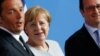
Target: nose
38,27
96,11
20,15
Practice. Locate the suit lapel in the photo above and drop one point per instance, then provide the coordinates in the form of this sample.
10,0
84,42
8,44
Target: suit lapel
19,47
88,37
12,41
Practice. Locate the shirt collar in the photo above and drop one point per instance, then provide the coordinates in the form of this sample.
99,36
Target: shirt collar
90,28
24,35
16,36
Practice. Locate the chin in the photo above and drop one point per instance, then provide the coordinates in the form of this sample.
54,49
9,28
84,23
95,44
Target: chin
41,39
18,31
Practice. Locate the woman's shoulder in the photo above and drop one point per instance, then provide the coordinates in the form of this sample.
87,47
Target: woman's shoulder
54,47
52,42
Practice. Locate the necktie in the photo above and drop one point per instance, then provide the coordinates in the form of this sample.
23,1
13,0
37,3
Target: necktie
97,37
26,46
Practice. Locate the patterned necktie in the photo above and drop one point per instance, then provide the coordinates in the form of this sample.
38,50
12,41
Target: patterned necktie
26,46
97,37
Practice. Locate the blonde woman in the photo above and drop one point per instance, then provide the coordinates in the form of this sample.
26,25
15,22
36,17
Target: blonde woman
37,27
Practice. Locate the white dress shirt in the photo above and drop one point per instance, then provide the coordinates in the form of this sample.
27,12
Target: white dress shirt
16,36
91,31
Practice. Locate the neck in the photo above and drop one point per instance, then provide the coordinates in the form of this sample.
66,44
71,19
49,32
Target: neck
43,46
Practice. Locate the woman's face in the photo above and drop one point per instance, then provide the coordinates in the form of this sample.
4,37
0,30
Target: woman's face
38,28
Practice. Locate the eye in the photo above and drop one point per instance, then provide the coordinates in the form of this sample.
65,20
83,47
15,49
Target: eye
90,7
33,24
21,9
42,23
98,6
11,12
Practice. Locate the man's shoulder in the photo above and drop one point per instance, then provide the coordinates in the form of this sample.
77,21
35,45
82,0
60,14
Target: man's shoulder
77,35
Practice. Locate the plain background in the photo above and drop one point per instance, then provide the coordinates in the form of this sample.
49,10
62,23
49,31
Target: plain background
66,18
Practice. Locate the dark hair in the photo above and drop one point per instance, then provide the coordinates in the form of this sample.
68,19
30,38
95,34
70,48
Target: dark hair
1,2
81,4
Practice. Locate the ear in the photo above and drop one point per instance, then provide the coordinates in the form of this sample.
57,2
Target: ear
82,12
0,20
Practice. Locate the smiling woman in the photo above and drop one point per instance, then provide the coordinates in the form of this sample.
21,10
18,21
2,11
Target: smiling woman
36,27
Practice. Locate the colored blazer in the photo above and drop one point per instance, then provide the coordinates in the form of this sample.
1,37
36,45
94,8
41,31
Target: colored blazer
81,44
10,46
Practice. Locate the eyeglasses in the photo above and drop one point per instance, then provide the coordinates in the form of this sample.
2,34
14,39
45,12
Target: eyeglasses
91,8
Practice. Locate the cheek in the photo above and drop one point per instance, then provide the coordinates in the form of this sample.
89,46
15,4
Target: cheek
27,30
5,19
10,23
46,30
87,16
30,32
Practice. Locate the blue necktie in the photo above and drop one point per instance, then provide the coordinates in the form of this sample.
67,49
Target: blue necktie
97,37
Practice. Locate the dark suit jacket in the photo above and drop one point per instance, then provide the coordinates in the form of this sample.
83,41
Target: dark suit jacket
10,46
81,44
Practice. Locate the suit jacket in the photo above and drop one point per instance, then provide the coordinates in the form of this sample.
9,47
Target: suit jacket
10,46
81,44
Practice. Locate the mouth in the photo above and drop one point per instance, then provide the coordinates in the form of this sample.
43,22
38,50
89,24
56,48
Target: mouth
19,24
40,33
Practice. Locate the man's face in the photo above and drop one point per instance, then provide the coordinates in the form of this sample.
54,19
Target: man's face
91,12
12,15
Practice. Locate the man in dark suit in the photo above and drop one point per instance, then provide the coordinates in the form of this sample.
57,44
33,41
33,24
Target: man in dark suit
84,41
11,25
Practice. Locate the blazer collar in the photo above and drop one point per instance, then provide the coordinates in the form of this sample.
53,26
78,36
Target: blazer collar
8,37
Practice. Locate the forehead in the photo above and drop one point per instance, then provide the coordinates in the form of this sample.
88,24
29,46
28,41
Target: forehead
11,3
90,2
40,17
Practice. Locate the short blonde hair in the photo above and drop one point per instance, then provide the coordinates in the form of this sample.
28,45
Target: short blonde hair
33,12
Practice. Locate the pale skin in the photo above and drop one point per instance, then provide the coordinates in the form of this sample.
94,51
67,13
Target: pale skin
12,16
37,31
91,12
